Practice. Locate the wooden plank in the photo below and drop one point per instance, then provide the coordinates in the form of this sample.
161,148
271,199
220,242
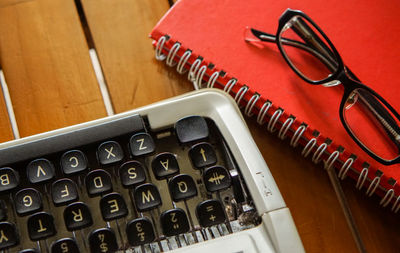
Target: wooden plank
120,31
309,195
46,63
5,126
4,3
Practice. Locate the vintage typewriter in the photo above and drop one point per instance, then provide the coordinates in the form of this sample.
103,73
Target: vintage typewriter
180,175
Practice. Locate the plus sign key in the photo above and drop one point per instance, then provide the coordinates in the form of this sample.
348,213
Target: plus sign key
210,212
109,152
216,178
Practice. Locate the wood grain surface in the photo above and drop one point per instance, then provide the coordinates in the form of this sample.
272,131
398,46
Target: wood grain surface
44,55
133,76
5,126
45,59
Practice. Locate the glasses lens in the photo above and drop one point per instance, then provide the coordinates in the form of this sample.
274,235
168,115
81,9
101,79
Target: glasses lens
306,50
372,124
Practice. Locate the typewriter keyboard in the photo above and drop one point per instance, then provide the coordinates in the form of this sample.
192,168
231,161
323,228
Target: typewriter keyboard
108,188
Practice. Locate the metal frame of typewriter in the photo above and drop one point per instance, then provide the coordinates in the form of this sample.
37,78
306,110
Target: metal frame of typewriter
277,232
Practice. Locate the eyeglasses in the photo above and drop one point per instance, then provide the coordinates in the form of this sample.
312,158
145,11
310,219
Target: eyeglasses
368,118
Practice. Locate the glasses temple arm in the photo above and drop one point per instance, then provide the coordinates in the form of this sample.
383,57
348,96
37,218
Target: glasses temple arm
267,37
388,123
303,30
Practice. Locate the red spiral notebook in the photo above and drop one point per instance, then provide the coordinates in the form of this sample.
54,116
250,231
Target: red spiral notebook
206,38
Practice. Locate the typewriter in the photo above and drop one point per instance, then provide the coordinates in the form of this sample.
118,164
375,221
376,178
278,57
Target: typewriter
181,175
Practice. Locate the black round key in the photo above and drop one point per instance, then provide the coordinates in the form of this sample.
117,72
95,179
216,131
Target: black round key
140,231
210,212
191,128
103,240
8,230
98,182
182,187
141,144
40,171
41,226
64,191
73,162
65,245
174,222
216,178
9,179
147,197
27,201
132,173
109,152
165,165
77,216
113,206
202,155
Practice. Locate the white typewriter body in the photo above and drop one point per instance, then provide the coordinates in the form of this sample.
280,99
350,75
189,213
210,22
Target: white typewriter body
277,231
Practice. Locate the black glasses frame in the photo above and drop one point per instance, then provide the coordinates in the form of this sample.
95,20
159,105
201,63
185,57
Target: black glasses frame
341,74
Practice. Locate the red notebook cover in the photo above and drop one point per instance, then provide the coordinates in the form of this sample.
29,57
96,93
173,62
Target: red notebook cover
365,33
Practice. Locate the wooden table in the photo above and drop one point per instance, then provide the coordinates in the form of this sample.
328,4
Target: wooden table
44,53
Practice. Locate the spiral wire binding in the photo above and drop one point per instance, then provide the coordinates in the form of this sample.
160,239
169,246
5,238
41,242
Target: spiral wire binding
361,178
331,160
387,198
248,110
229,85
297,135
396,205
285,127
160,45
240,94
345,168
263,112
308,147
272,122
193,69
373,186
171,55
200,75
182,62
192,72
213,79
196,75
318,153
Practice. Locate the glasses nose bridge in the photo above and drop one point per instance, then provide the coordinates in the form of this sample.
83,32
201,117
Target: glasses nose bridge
345,80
